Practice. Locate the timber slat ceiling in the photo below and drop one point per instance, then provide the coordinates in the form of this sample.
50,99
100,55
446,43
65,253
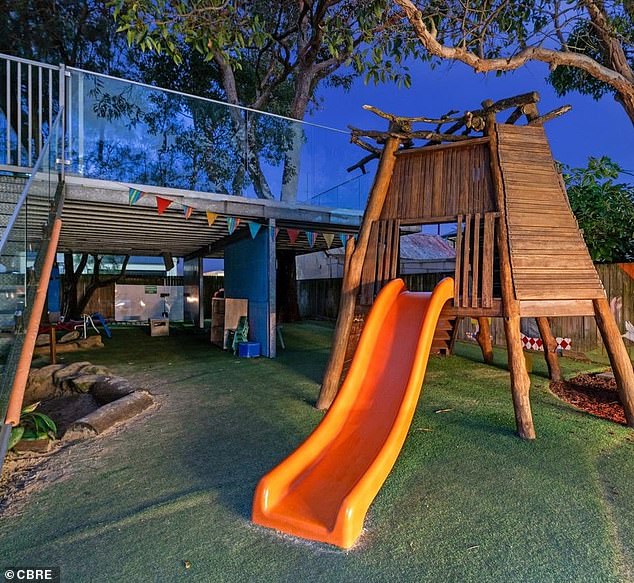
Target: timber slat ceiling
97,219
549,258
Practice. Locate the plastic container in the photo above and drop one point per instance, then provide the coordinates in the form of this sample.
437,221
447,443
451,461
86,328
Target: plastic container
249,349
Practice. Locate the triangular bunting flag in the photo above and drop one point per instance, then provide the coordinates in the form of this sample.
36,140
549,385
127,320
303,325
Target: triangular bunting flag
277,231
211,217
292,235
162,204
329,238
311,237
254,228
187,211
134,195
232,224
343,238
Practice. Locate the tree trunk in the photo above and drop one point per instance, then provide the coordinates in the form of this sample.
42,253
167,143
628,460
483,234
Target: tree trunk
292,162
71,280
292,157
287,304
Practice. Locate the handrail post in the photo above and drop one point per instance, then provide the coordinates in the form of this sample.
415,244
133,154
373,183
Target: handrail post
62,104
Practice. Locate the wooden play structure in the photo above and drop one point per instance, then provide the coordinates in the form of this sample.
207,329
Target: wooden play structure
519,251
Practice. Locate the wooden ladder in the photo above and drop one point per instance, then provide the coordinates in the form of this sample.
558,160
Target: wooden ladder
445,335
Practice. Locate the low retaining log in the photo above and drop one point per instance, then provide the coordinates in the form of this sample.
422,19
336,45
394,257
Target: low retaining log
109,415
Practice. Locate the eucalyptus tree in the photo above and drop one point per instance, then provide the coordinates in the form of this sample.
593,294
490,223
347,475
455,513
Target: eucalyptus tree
273,56
588,44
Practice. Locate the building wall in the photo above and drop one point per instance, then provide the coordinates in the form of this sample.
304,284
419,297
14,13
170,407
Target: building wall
247,277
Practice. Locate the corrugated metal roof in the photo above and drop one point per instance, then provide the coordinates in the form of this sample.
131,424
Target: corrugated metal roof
419,247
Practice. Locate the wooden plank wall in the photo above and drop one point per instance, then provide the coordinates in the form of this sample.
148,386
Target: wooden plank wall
381,262
473,276
619,287
439,182
549,258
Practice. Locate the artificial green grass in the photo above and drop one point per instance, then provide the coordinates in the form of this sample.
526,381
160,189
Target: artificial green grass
466,501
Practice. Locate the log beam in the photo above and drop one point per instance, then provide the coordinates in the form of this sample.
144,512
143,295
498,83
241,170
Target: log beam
619,358
550,348
520,381
355,257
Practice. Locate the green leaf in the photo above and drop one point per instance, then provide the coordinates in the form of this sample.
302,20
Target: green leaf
30,408
16,436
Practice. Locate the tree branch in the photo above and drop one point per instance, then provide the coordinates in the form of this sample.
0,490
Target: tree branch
616,79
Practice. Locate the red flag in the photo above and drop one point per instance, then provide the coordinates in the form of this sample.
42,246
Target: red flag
292,235
162,204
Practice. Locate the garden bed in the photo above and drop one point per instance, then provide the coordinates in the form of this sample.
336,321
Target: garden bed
594,393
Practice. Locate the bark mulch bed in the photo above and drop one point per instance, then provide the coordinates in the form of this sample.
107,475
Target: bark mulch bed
592,393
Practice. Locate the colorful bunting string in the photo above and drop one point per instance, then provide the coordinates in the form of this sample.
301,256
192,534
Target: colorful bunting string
162,204
232,224
211,218
311,236
254,228
134,195
329,238
292,235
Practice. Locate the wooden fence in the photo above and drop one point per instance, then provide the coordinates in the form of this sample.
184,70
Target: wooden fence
319,298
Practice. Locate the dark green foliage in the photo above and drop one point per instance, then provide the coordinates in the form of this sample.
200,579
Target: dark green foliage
604,209
33,425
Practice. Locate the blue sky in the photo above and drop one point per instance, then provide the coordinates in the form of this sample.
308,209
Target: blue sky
591,129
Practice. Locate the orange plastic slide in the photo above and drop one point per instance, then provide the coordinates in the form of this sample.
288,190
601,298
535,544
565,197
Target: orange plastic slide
323,490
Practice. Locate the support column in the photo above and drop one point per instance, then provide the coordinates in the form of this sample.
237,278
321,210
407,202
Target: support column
619,358
355,257
520,381
272,269
550,349
484,339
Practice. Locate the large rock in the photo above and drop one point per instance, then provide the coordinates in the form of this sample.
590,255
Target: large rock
90,342
96,369
84,344
109,415
69,337
40,385
43,340
69,371
83,383
111,389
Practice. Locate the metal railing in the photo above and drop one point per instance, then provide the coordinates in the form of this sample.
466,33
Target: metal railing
131,132
29,97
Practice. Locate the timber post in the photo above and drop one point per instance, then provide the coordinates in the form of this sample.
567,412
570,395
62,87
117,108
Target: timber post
520,381
619,358
550,348
483,337
355,257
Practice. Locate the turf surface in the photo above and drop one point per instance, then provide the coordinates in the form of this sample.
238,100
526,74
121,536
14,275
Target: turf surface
466,501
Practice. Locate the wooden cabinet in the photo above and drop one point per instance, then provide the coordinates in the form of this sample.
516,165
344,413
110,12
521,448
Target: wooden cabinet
225,315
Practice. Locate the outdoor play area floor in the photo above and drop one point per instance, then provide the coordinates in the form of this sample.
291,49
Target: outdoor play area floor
168,497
